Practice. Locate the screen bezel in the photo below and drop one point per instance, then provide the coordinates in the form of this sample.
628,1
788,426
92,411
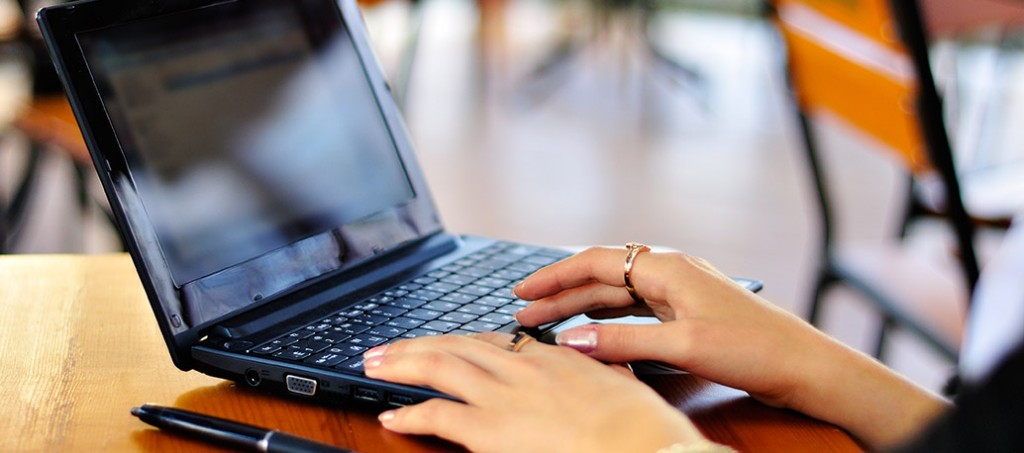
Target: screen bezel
62,24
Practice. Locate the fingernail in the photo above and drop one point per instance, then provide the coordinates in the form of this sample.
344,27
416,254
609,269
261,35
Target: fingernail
386,416
372,362
583,339
515,291
375,352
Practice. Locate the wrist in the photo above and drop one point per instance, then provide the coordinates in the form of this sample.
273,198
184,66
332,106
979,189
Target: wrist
863,396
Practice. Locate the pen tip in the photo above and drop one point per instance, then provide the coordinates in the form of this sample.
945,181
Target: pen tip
136,410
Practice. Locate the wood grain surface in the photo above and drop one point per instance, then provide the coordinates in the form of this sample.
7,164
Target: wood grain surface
80,348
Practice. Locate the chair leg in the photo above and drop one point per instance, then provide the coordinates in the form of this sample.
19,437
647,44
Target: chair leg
825,279
14,213
883,336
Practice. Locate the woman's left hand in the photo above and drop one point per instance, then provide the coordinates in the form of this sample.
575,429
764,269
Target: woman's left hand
542,398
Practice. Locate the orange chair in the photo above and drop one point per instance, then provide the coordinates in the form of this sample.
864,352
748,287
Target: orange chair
866,63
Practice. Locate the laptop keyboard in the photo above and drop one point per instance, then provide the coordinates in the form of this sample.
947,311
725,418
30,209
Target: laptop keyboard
472,294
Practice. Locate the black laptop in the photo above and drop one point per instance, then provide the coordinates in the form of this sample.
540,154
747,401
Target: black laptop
265,186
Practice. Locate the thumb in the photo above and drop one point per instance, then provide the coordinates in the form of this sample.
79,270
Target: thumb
615,343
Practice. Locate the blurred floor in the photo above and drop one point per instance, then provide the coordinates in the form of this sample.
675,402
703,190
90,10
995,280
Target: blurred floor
612,152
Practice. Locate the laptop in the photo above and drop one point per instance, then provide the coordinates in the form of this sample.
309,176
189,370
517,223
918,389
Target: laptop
265,186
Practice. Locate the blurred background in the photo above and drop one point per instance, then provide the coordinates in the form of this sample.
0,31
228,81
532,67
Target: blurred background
579,122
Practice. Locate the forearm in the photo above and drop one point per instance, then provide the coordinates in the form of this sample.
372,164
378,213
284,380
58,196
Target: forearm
854,391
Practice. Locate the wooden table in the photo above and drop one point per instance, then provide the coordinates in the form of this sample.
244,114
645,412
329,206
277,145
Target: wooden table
80,347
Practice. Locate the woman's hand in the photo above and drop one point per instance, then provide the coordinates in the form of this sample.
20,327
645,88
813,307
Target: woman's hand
542,398
714,328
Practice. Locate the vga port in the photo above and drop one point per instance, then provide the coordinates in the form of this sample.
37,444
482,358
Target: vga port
301,385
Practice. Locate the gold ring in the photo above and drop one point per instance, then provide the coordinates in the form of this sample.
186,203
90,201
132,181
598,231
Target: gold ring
518,341
634,249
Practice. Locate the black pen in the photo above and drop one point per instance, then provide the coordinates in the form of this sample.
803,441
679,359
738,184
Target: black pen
228,433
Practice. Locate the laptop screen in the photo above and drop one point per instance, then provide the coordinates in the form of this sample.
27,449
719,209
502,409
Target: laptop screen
247,147
247,127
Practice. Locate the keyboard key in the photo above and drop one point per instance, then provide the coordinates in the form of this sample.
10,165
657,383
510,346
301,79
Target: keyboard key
475,290
335,336
300,334
475,272
476,309
312,346
350,313
492,282
351,328
385,331
494,301
350,350
407,303
370,320
529,268
452,268
442,287
458,317
480,326
416,333
293,354
424,314
267,348
404,323
390,312
366,340
353,365
326,359
410,287
319,327
425,294
497,318
424,280
460,332
458,298
438,274
365,306
458,279
511,327
441,326
509,309
441,305
510,275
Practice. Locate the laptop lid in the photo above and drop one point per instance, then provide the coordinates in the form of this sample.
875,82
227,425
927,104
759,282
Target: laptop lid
247,147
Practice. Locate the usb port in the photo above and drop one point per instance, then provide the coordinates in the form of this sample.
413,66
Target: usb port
365,394
400,400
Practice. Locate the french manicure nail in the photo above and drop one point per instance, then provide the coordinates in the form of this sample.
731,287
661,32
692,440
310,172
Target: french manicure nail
375,352
583,339
515,290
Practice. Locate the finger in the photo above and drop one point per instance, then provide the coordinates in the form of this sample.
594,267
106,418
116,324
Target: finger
616,343
612,313
604,265
443,418
624,369
582,299
494,360
433,368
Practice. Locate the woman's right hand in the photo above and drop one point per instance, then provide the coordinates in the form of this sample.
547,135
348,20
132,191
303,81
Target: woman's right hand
716,329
